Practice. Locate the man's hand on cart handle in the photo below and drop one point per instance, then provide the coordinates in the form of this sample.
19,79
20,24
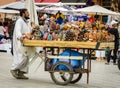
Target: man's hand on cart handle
25,37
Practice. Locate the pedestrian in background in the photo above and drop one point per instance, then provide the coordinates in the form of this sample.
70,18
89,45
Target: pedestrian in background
2,31
114,31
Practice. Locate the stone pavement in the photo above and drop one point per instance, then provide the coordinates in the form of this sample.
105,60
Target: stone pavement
101,76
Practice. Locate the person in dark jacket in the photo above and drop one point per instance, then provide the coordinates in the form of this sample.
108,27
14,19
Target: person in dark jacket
114,30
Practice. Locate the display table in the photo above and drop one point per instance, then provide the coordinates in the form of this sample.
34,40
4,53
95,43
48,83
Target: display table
5,47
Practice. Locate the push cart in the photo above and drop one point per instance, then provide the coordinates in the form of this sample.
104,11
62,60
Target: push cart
62,72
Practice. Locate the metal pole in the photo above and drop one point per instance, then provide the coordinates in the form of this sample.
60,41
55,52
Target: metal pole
62,3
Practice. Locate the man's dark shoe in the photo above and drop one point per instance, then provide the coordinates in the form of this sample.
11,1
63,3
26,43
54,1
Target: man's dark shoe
23,77
14,73
18,74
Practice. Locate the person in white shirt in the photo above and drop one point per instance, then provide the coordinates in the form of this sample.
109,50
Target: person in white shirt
21,53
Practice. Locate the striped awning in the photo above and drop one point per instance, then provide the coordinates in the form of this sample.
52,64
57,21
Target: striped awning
44,1
47,1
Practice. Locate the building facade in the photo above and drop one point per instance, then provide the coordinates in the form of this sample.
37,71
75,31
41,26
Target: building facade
3,2
111,4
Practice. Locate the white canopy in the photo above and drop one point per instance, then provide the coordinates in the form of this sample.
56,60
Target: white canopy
16,5
56,7
96,9
8,11
30,5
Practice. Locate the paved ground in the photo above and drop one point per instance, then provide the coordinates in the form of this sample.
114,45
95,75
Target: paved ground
101,76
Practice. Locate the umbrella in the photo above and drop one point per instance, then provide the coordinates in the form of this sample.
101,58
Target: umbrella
8,11
16,5
30,5
96,9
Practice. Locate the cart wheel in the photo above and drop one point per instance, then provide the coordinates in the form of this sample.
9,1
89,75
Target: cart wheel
76,78
119,64
57,73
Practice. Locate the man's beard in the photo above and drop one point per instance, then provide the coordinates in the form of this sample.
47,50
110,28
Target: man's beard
27,18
